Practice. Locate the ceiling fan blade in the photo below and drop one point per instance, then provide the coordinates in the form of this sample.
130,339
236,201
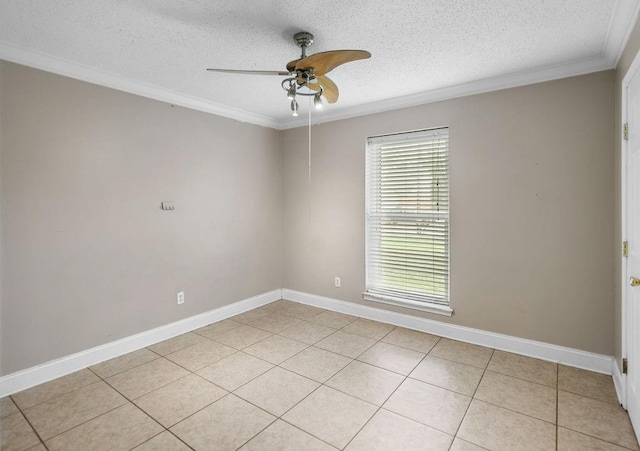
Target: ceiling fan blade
250,72
313,86
291,65
325,62
329,88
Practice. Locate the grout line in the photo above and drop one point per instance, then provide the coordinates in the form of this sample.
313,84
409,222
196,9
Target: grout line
473,396
392,393
30,425
524,380
310,320
182,441
90,419
57,396
157,388
308,433
557,402
613,403
598,438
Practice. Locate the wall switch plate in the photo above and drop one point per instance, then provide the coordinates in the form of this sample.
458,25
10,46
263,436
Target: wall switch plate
166,205
337,282
180,297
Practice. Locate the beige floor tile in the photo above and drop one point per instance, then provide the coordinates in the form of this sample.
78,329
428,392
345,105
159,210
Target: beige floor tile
344,343
461,445
39,447
459,351
121,429
436,407
391,357
49,390
146,378
316,364
16,434
274,322
527,368
201,354
176,343
334,320
123,363
242,336
387,431
369,328
602,420
302,311
307,332
165,441
176,401
235,370
278,306
277,390
367,382
7,407
587,383
71,409
448,374
251,315
535,400
574,441
282,436
218,328
229,423
412,339
275,349
330,415
500,429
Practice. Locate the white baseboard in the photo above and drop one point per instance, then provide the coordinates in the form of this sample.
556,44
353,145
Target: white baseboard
545,351
21,380
620,382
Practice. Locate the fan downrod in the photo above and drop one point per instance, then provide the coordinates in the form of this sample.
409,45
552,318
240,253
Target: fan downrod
303,39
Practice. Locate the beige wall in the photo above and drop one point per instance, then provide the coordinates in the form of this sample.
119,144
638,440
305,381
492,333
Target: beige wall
532,215
1,221
87,255
630,51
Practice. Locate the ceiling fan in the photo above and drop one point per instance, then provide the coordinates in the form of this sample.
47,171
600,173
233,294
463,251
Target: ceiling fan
309,72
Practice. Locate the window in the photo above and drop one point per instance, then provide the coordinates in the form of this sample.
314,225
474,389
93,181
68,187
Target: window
408,220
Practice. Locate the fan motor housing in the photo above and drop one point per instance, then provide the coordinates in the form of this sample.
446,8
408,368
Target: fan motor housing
303,39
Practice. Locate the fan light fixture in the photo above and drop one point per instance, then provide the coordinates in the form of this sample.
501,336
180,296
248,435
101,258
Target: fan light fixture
295,86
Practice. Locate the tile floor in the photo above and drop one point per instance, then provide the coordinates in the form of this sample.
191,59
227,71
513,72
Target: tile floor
288,376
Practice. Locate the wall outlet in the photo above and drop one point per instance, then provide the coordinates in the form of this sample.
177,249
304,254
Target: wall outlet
180,297
337,282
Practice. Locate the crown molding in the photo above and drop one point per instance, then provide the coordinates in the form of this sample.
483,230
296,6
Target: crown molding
38,60
523,78
623,19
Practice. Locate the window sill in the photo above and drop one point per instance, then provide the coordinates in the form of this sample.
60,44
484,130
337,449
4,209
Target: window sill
425,307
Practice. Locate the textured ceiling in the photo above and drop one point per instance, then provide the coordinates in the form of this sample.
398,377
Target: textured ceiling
418,46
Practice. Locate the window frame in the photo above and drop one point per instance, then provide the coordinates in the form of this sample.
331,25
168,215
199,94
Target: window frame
423,305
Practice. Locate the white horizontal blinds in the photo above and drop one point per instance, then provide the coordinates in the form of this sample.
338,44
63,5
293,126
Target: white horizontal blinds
408,216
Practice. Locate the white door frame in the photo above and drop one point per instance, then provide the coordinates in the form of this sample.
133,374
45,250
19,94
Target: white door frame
635,67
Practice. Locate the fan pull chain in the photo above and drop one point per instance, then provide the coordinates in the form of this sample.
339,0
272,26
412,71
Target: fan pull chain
309,179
